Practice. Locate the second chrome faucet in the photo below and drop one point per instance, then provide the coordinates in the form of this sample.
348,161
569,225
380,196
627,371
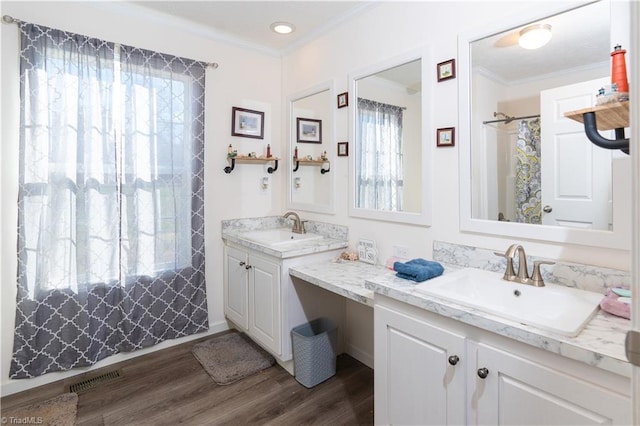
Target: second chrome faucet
522,275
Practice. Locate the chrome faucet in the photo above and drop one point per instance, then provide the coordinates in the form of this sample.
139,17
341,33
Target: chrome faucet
298,225
522,276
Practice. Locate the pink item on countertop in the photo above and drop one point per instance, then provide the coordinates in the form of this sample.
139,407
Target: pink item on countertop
612,305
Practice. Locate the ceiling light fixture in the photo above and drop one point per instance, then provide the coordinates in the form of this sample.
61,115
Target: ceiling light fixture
282,27
535,36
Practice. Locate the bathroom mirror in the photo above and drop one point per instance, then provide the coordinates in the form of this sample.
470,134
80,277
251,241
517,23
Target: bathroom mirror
526,171
389,161
311,139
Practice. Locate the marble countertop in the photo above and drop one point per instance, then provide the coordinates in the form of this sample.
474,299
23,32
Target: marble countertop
343,277
600,344
294,249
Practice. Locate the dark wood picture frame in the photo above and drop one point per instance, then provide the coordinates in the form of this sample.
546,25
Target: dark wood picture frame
343,149
343,100
247,123
308,130
447,70
446,137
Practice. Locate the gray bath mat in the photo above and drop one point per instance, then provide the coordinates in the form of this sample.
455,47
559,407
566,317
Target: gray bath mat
59,411
231,357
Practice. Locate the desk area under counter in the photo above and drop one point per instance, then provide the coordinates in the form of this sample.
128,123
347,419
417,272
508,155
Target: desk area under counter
343,277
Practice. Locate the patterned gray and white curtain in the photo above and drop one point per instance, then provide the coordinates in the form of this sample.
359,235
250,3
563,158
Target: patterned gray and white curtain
379,179
110,208
528,177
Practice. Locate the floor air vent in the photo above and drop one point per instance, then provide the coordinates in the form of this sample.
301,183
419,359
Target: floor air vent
94,381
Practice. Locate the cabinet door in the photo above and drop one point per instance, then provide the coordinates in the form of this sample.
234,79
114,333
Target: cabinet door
264,303
519,391
416,382
236,281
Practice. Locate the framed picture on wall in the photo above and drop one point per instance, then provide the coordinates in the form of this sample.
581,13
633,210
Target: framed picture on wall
247,123
343,149
343,100
446,137
309,130
447,70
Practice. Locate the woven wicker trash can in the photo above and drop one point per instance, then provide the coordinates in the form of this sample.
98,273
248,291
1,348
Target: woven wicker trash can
314,351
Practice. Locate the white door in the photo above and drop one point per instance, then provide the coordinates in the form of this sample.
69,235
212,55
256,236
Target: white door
264,303
236,280
517,391
419,372
576,174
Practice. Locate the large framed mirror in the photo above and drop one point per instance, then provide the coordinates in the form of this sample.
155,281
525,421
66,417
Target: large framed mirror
312,149
390,177
526,171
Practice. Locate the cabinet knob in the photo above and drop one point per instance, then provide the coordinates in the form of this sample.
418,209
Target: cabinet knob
453,359
242,263
247,267
483,373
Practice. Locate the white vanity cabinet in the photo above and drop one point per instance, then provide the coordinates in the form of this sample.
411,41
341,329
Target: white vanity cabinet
520,384
261,300
518,390
419,371
252,296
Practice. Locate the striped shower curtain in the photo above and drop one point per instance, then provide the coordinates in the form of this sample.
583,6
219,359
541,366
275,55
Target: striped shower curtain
528,187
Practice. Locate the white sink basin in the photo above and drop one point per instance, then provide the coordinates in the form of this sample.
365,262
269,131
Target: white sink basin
555,308
278,237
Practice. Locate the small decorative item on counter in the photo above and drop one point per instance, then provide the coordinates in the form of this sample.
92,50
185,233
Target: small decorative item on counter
310,158
268,151
349,255
230,152
614,304
619,71
608,94
295,153
323,157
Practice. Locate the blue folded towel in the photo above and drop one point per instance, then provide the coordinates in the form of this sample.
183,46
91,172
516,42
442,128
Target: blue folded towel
418,269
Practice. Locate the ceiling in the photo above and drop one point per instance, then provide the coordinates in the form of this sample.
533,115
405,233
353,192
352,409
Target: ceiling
247,23
580,37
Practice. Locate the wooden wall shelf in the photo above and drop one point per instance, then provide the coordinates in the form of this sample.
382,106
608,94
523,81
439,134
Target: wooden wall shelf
302,162
251,160
614,116
608,116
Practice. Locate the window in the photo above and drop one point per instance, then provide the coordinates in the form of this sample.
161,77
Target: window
108,163
379,182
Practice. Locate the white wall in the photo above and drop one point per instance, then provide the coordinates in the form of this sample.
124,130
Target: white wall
407,26
245,78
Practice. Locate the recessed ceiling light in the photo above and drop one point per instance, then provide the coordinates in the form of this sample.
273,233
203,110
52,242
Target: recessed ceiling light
282,27
535,36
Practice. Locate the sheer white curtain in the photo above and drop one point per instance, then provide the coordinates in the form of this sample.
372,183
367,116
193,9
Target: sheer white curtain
111,229
379,183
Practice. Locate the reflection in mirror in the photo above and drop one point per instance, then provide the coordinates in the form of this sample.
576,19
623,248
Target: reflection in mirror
388,165
528,164
311,141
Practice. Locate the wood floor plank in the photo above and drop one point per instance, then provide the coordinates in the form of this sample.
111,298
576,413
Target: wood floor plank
170,387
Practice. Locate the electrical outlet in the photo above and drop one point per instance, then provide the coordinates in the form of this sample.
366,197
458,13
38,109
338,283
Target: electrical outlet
401,252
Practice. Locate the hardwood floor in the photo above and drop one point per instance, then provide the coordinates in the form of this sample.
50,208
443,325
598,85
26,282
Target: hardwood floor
170,387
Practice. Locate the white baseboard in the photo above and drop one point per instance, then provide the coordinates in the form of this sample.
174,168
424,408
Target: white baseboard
364,357
13,386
